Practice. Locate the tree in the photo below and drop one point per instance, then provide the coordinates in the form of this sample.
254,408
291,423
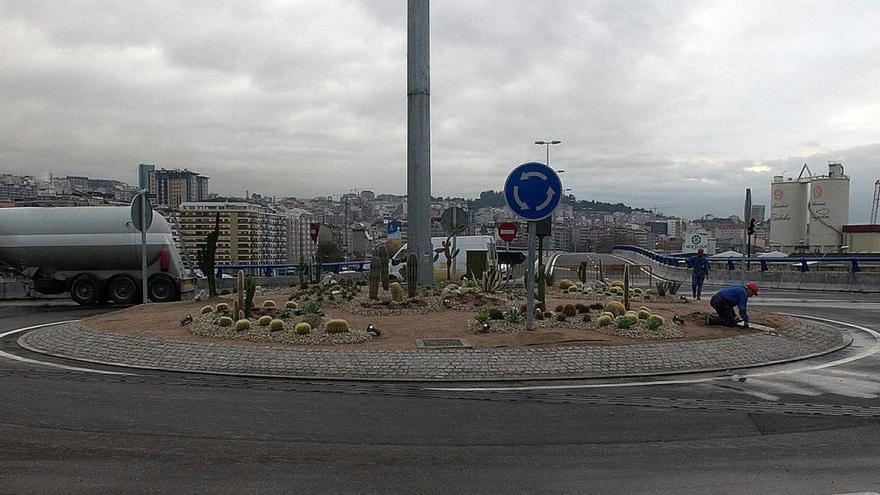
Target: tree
329,252
208,255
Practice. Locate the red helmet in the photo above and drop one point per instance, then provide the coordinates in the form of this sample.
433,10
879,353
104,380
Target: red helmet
700,251
753,287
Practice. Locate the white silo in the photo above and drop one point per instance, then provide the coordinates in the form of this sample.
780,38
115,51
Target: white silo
828,209
788,213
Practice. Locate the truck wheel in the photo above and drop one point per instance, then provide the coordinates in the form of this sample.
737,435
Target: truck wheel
85,289
123,290
162,289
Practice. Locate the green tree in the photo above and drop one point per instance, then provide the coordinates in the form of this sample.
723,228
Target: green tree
329,252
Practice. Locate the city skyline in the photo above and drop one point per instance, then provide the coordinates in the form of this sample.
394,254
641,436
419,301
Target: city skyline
678,107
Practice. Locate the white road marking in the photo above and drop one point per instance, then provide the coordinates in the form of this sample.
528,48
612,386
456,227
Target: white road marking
874,349
51,365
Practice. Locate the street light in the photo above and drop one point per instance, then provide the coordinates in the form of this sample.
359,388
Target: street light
548,144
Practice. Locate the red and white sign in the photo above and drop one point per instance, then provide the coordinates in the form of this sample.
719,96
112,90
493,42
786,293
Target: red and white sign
507,231
313,231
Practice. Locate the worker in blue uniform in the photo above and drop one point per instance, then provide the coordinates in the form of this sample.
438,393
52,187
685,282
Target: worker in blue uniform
735,296
701,270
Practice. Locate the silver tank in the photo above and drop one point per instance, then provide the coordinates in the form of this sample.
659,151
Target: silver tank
78,239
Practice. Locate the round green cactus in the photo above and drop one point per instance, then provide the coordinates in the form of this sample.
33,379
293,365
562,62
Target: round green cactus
617,283
655,321
565,284
222,308
242,325
569,310
632,315
396,292
268,303
276,325
644,314
207,309
616,308
290,305
605,320
225,321
336,326
264,321
302,328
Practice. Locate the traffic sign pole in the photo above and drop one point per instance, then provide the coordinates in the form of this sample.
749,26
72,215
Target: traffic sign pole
530,280
144,228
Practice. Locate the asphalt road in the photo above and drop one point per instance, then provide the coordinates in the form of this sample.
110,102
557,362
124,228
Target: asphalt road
778,430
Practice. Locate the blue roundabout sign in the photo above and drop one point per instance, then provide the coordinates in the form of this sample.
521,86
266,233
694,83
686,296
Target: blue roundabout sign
533,191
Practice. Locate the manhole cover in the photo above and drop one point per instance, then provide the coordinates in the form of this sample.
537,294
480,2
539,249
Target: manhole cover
442,344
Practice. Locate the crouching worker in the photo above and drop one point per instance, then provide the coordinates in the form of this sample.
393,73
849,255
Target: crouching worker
726,299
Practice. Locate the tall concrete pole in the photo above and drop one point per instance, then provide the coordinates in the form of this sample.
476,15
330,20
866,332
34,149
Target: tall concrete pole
418,156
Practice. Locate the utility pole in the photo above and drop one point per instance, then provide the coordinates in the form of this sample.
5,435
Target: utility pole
418,156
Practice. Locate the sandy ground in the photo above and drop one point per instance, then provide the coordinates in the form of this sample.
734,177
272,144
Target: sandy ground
401,332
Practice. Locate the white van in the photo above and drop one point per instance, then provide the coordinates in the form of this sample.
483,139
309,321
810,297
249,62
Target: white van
480,243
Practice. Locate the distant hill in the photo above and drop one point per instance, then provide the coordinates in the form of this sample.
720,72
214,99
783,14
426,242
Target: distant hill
496,199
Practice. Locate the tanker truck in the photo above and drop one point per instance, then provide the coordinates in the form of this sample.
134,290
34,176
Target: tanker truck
93,253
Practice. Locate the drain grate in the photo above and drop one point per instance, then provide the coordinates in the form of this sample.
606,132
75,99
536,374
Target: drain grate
442,344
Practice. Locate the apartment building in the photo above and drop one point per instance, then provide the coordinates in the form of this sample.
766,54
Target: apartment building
249,233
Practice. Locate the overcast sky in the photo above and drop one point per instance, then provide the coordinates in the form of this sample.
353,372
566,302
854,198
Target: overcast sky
675,105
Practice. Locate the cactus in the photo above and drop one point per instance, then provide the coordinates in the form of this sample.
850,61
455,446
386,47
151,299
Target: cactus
207,309
302,328
412,274
336,326
605,320
225,321
396,292
238,302
573,290
208,255
582,272
268,303
491,280
242,325
374,278
301,271
446,250
654,322
632,315
542,288
624,322
250,288
643,314
222,308
626,287
617,283
290,305
380,259
565,283
264,321
569,310
601,271
513,315
615,307
276,325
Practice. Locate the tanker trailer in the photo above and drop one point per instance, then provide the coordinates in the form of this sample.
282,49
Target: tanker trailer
94,253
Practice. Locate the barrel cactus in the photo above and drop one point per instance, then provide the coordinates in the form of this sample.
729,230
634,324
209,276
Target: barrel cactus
632,315
644,315
264,321
302,328
569,310
654,322
617,283
396,292
291,305
615,307
565,283
604,320
573,290
336,326
276,325
225,321
222,308
242,325
268,303
207,309
412,274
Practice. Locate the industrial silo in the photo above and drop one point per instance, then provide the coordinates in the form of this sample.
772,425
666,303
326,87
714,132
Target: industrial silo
788,215
828,209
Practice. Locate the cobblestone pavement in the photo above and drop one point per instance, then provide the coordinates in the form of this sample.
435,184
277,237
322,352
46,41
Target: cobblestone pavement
75,342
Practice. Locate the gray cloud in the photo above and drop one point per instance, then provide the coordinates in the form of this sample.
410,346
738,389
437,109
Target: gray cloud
658,103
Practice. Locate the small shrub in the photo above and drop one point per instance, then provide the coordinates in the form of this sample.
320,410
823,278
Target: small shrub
605,320
624,322
225,321
302,328
207,309
513,315
496,314
336,326
565,284
654,322
290,305
276,325
597,306
483,316
264,321
560,317
558,308
222,308
242,325
586,317
471,283
268,303
569,310
581,308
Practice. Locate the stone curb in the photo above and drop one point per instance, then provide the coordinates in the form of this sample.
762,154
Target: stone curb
72,341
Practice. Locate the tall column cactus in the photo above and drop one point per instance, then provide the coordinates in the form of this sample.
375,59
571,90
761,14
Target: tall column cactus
542,288
380,256
412,274
250,287
600,273
375,277
238,303
582,272
626,287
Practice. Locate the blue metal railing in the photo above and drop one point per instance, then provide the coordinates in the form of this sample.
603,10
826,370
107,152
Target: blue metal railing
272,269
764,262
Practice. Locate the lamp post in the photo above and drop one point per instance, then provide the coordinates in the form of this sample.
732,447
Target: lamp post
547,145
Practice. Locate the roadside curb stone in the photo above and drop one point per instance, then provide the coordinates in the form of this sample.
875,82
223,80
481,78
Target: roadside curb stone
73,341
